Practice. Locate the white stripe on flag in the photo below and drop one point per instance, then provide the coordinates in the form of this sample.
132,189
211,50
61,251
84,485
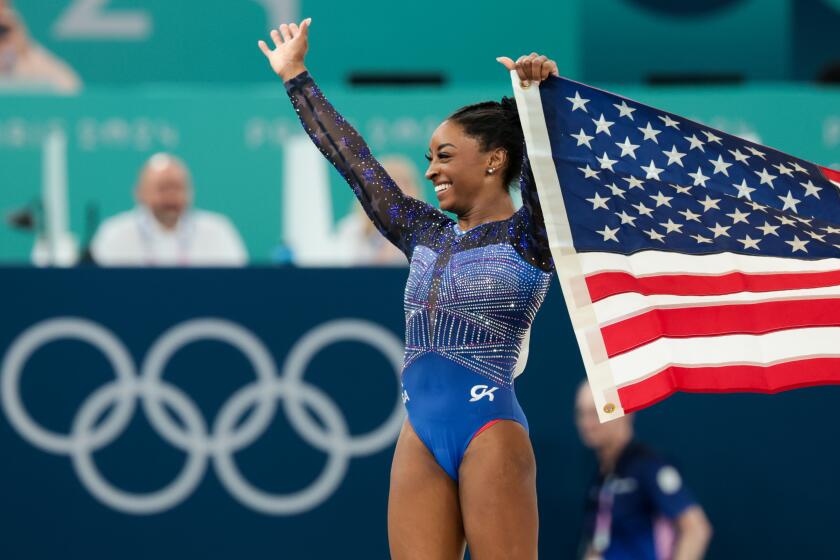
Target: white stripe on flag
621,306
646,263
764,349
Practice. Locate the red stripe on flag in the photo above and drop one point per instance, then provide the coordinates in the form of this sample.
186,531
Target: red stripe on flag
830,174
716,320
605,284
730,378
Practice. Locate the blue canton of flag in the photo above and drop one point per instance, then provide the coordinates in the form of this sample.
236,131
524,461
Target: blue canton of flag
636,178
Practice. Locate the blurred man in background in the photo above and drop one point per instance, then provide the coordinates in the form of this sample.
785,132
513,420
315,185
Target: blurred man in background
357,242
637,506
25,64
163,230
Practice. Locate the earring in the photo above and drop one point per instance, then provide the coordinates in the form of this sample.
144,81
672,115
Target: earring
491,170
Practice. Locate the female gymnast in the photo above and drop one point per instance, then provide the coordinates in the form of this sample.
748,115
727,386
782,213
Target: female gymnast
473,289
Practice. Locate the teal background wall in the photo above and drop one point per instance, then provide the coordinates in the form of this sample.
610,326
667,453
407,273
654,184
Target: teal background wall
214,41
630,40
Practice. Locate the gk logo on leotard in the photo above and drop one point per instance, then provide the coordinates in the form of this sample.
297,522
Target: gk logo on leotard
484,392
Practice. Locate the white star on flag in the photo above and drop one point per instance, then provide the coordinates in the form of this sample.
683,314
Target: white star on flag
709,203
689,215
756,152
750,243
699,178
602,125
662,200
616,190
767,229
674,156
798,244
743,189
766,178
655,235
790,202
634,182
681,189
742,158
627,148
578,102
739,216
599,202
606,162
719,230
671,226
695,143
783,170
588,172
652,171
624,110
811,189
650,132
583,139
626,218
609,234
720,166
643,210
669,121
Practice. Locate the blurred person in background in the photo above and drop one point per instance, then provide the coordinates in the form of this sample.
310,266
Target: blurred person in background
637,507
164,229
357,241
26,64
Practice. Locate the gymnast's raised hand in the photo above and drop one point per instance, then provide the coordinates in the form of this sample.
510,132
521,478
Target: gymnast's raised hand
291,41
531,68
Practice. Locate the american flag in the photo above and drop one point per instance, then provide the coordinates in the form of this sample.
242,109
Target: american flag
690,259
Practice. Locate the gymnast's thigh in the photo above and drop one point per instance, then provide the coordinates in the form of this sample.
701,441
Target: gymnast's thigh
498,492
424,517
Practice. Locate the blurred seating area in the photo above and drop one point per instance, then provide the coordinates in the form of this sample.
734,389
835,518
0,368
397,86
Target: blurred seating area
155,82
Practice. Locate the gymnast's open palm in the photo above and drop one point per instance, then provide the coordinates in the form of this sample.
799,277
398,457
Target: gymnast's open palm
291,42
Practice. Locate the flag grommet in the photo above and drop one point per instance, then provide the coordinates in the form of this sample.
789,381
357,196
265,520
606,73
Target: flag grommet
609,408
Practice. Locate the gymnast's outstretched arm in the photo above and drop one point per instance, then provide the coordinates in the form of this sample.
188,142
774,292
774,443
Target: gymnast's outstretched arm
398,217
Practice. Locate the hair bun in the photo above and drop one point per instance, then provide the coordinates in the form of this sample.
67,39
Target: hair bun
509,106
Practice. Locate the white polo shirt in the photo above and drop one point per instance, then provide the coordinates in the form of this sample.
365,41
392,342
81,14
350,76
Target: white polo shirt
136,238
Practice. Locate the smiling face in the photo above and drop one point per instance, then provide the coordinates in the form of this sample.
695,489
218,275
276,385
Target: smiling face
458,168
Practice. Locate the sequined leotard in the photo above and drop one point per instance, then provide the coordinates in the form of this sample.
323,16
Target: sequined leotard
470,297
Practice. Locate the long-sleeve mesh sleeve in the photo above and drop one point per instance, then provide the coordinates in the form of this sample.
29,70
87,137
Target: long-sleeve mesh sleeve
400,218
528,225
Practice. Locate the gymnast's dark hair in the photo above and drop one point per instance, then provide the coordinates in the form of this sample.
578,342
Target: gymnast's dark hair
495,125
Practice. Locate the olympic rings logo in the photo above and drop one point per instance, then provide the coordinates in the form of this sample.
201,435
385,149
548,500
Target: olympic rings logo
226,437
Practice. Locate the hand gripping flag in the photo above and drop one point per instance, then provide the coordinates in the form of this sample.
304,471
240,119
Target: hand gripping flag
690,259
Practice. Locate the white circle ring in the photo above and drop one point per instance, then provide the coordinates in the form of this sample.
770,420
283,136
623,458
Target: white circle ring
302,500
158,501
75,329
179,336
314,341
